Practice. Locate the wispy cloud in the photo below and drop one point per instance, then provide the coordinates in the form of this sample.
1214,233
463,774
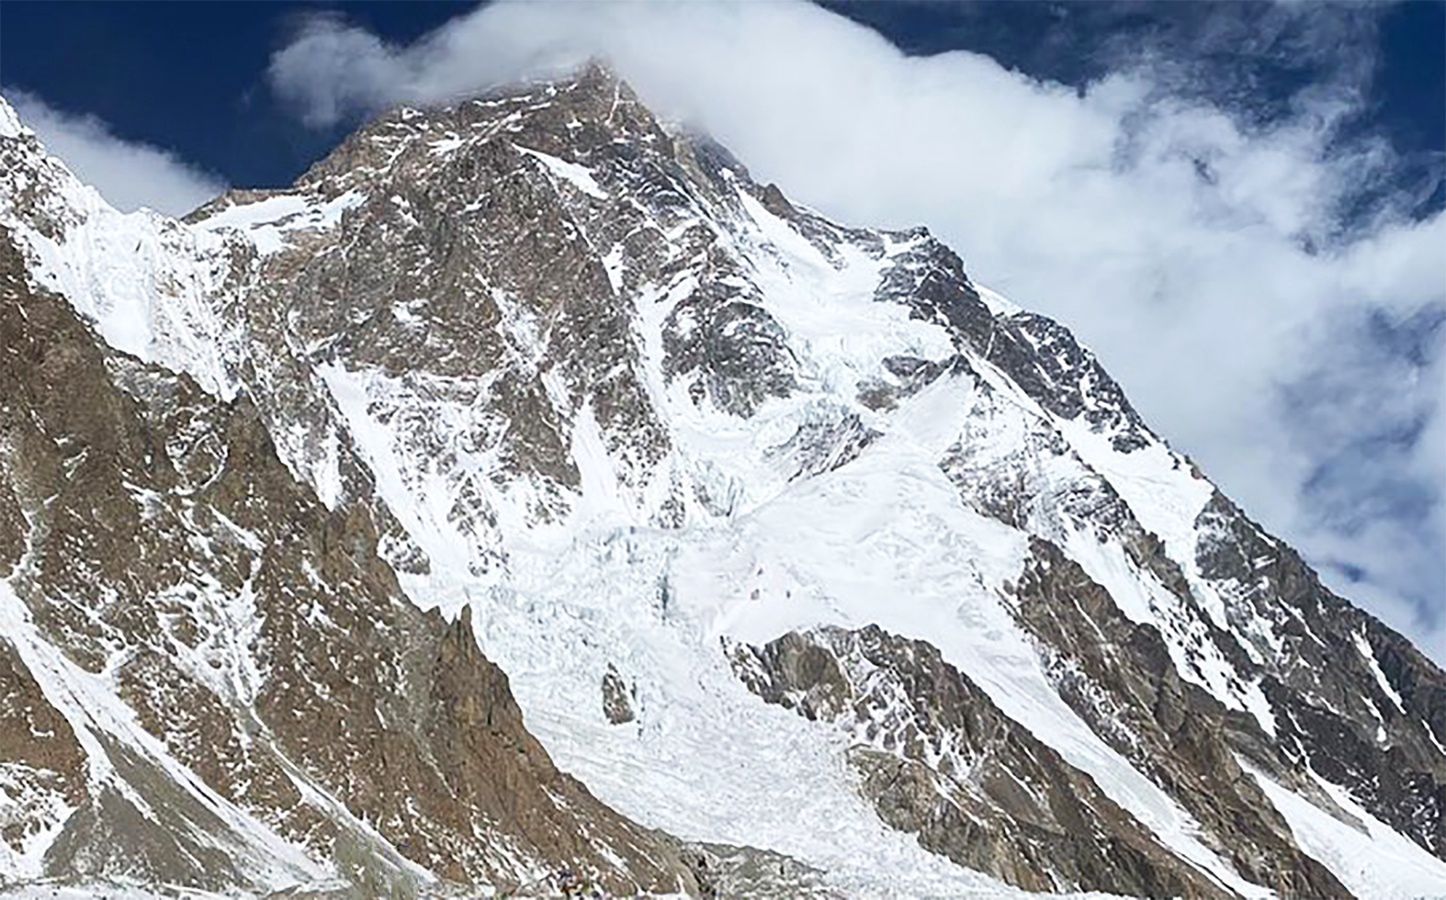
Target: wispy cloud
128,174
1197,243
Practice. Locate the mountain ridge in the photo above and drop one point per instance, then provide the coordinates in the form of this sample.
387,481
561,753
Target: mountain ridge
619,408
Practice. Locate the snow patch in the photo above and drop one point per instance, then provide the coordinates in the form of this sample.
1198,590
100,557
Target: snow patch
572,173
10,124
266,222
1363,646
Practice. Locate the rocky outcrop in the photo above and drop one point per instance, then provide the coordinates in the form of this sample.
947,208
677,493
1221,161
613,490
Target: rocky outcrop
938,759
727,871
42,766
1118,676
1363,706
617,698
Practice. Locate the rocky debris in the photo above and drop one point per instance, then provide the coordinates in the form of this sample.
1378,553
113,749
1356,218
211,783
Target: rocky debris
617,697
723,871
938,759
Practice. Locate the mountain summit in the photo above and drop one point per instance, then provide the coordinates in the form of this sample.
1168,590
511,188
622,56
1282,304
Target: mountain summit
813,567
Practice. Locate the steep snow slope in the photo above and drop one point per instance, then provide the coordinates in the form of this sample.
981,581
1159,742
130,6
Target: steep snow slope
1386,866
633,409
147,282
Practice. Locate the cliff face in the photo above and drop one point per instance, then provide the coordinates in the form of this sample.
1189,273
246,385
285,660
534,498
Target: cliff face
540,382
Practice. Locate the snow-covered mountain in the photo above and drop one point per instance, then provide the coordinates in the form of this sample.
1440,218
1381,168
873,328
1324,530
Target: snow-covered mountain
817,568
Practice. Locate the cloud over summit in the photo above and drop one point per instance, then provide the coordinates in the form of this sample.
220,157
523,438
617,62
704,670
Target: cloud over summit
128,174
1244,268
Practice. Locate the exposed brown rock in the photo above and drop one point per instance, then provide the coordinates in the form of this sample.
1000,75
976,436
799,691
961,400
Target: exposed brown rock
996,799
617,705
161,537
42,761
1333,706
1121,680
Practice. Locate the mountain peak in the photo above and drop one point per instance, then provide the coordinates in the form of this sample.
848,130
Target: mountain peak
551,414
10,124
583,107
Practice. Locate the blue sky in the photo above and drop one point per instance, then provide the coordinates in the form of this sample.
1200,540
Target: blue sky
190,77
1237,205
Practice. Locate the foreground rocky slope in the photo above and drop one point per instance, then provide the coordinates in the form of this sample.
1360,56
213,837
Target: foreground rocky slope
787,535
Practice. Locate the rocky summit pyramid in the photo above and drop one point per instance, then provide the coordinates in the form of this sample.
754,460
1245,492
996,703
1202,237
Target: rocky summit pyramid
527,501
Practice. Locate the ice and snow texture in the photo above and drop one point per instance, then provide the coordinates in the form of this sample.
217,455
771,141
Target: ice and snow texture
95,713
146,281
1368,857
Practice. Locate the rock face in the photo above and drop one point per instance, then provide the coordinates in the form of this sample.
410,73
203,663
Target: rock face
939,760
44,764
792,541
1363,706
259,642
1116,674
616,698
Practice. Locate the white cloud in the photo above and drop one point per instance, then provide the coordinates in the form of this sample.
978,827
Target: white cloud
128,174
1179,239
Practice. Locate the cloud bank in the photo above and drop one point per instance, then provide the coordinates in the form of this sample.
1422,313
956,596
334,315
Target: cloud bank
128,174
1199,245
